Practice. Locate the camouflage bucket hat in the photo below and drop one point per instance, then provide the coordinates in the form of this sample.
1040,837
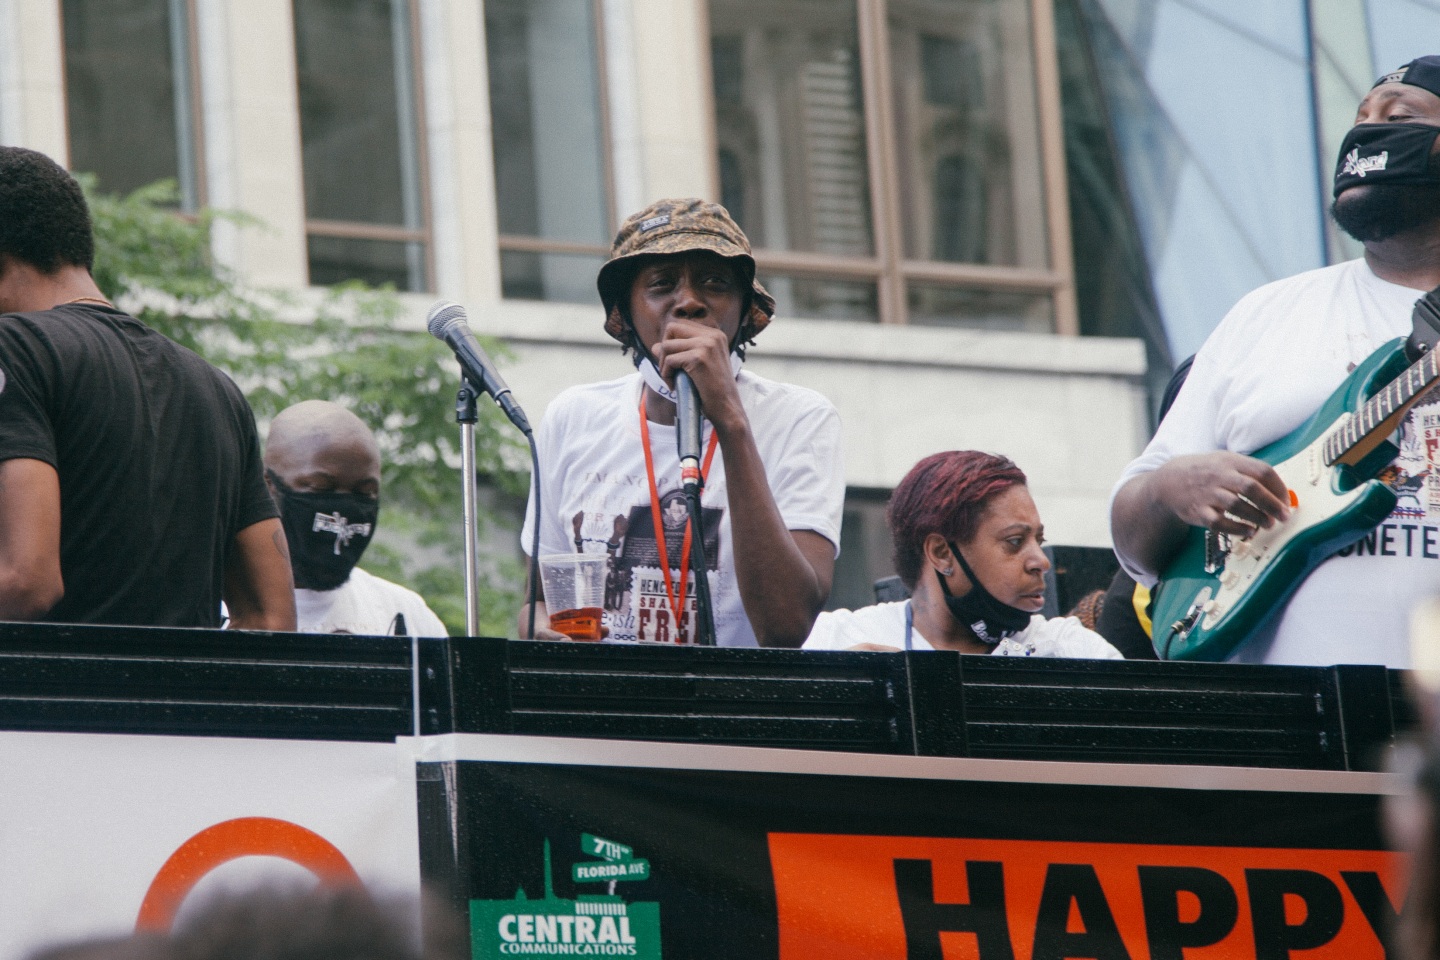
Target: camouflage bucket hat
679,226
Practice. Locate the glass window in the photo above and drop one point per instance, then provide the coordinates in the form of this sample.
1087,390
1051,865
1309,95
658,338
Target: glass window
360,142
790,123
938,306
813,97
538,275
129,91
547,119
967,132
825,298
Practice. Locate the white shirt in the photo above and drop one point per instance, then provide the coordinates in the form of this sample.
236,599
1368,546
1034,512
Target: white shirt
597,496
884,623
365,604
1270,364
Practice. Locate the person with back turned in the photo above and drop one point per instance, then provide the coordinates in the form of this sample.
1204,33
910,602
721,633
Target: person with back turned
1273,361
130,484
679,290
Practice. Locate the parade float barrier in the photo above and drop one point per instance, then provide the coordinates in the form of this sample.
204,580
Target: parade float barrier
643,801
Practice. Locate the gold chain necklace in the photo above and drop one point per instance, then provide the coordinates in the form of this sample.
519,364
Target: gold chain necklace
100,300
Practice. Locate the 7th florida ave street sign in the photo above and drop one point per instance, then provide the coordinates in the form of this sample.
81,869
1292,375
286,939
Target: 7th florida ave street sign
628,870
620,862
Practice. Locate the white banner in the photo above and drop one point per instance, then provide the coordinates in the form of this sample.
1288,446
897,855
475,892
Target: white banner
99,832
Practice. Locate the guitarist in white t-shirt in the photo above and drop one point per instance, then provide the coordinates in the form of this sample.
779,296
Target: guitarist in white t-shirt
1274,360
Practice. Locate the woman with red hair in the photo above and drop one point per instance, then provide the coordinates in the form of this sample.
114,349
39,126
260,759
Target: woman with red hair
967,543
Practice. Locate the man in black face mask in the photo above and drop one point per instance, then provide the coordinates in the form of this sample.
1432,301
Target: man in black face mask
1274,360
323,467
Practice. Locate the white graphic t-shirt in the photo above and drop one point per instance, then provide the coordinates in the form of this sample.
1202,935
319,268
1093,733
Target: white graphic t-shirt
1271,363
365,604
597,497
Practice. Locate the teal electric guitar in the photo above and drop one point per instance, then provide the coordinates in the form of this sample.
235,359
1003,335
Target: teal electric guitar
1219,588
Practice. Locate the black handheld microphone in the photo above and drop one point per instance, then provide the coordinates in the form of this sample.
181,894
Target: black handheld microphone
446,321
687,440
688,430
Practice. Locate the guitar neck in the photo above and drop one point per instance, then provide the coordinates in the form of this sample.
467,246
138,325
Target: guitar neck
1382,413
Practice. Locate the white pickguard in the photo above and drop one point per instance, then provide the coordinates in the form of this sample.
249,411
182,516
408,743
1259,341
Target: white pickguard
1312,483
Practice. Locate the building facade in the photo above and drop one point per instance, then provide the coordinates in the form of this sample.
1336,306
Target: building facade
903,167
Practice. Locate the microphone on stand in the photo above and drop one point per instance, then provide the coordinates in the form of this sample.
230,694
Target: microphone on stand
447,322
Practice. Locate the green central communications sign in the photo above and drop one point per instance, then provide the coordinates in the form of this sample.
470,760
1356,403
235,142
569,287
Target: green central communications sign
588,926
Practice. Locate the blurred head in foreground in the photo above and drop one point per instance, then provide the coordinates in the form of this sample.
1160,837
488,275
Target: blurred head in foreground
283,923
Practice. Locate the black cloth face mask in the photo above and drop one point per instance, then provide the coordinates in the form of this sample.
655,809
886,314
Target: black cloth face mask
1386,153
990,620
327,533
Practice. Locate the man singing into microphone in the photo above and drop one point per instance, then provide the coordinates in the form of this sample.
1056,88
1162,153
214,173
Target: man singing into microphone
679,291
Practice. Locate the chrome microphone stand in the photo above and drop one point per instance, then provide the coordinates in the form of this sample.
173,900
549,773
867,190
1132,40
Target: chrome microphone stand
466,414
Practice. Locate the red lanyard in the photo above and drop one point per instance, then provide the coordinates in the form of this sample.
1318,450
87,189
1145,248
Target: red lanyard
676,605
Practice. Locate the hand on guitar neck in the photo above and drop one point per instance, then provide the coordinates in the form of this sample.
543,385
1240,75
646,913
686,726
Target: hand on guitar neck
1221,491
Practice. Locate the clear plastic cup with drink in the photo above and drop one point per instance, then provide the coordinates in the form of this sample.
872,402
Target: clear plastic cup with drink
574,585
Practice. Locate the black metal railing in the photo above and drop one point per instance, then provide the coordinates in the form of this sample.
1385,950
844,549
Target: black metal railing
200,682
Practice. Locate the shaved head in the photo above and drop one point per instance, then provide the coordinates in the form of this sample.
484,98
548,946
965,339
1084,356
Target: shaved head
319,446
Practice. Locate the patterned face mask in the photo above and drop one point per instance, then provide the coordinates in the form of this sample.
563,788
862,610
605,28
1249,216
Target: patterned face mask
327,533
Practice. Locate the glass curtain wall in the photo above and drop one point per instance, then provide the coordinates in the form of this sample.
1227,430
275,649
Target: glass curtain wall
548,124
878,151
1112,277
361,144
1341,72
1197,96
130,91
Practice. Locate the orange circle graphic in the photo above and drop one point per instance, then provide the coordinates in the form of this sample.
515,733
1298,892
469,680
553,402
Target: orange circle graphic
230,840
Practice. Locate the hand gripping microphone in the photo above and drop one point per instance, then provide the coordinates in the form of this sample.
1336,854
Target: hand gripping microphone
688,430
446,321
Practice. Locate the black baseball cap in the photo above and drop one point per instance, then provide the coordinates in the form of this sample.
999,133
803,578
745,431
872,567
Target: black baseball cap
1423,72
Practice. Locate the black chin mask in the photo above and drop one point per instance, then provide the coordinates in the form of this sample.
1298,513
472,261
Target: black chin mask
327,533
990,620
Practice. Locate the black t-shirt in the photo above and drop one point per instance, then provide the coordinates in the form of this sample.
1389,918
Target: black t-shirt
158,458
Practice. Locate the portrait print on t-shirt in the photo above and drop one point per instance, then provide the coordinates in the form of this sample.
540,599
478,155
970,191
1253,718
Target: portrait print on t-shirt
637,603
1413,527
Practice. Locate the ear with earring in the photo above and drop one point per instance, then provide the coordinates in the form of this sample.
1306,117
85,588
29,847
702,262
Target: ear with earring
938,554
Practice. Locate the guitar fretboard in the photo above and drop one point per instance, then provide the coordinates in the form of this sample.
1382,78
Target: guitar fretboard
1395,398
